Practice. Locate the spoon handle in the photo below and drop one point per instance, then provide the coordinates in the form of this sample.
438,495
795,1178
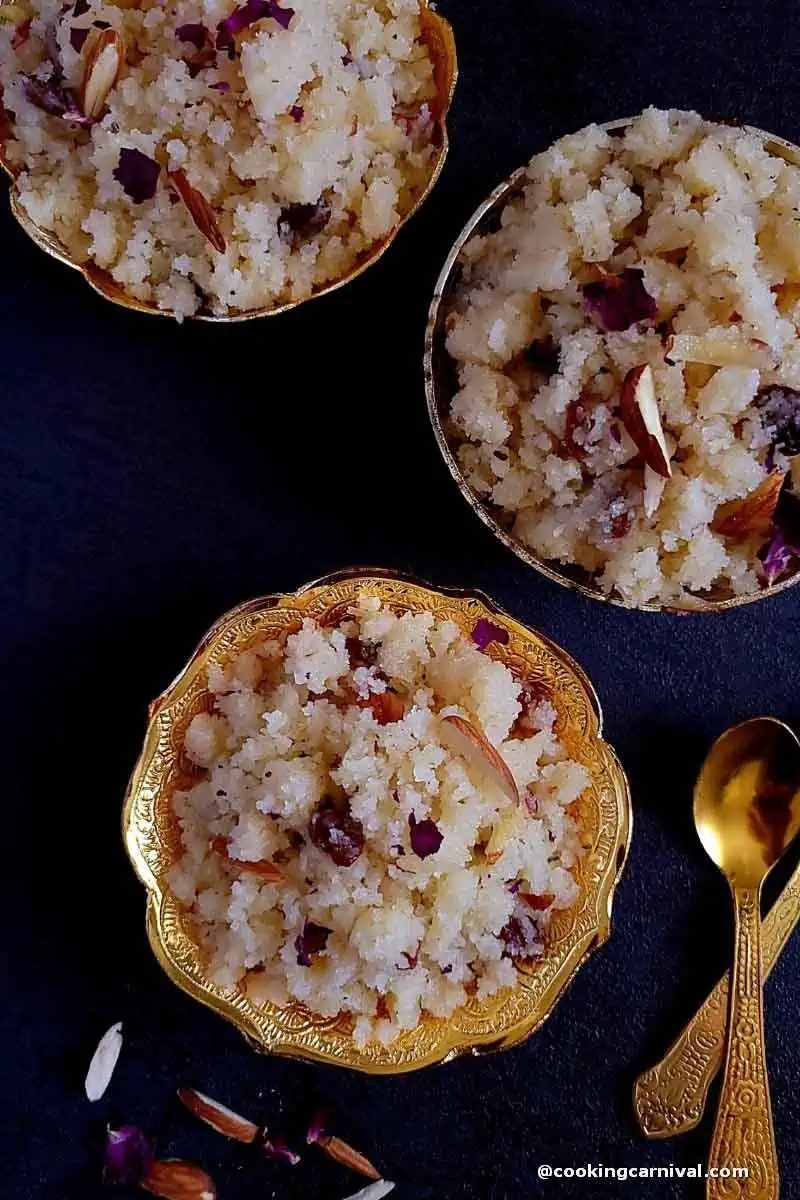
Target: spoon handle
743,1134
669,1098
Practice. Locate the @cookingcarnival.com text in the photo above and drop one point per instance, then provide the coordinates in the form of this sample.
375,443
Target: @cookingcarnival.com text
621,1174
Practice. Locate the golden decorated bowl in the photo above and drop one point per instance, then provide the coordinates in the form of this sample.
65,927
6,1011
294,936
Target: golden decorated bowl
153,843
437,34
439,388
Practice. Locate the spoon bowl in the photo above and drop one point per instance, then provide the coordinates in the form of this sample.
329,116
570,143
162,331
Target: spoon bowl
747,799
747,811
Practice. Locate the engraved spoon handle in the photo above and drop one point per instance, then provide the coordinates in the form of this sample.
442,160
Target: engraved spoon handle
669,1098
743,1135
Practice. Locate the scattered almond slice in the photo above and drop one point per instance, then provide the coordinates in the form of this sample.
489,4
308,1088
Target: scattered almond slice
640,416
173,1179
104,1060
200,210
104,55
462,737
374,1191
224,1120
502,832
728,348
342,1153
263,867
740,519
653,490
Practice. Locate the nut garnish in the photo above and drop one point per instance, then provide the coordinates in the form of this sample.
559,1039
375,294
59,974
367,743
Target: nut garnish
740,519
261,867
223,1120
104,1060
343,1153
720,348
200,210
640,416
462,737
173,1179
104,55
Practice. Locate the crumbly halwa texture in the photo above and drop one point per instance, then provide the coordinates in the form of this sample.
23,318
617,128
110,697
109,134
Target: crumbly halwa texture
332,111
293,732
711,220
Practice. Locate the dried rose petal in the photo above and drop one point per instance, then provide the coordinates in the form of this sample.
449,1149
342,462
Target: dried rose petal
104,1060
426,837
317,1129
304,221
128,1154
311,941
577,419
138,174
173,1179
780,416
513,936
616,302
360,653
777,556
193,32
336,833
246,15
222,86
51,97
486,632
531,802
275,1146
297,112
77,38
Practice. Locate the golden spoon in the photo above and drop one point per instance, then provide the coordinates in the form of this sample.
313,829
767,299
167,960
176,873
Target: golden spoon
747,810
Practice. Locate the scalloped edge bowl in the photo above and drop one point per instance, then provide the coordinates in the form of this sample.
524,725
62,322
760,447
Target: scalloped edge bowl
152,839
437,33
438,367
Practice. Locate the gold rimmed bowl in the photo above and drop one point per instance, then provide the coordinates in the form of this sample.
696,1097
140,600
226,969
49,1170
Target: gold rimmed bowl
436,34
441,386
153,841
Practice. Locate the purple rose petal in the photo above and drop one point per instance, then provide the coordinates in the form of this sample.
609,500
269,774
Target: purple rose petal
425,836
311,941
619,301
276,1147
486,632
246,15
138,174
128,1154
318,1128
193,32
77,38
777,556
222,87
297,112
50,97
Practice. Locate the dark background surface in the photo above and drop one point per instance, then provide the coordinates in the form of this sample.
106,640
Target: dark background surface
153,476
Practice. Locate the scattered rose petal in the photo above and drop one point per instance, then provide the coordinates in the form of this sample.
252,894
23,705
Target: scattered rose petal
305,221
780,416
275,1147
138,175
426,837
77,38
317,1128
246,15
360,653
51,97
531,803
336,833
537,903
128,1154
222,86
173,1179
193,32
221,1119
514,887
486,632
374,1191
311,941
297,112
446,970
104,1060
616,302
513,936
777,556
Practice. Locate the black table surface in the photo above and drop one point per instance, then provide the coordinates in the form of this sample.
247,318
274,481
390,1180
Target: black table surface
153,476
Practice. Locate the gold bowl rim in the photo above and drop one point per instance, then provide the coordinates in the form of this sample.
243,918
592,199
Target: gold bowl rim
501,1022
100,280
436,399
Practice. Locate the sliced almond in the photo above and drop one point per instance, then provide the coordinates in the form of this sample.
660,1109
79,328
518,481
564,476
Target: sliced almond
639,414
462,737
502,832
104,55
200,210
223,1120
173,1179
104,1060
720,348
374,1191
342,1153
652,491
262,867
752,515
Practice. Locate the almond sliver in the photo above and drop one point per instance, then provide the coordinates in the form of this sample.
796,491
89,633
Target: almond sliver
199,210
464,738
173,1179
104,1060
719,348
104,56
343,1153
222,1119
740,519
